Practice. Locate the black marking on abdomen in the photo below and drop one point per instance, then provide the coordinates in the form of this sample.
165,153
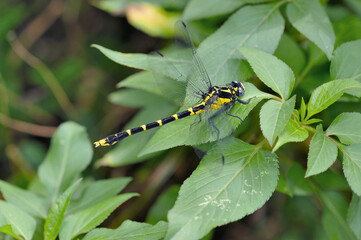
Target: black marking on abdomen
168,120
136,130
183,114
152,125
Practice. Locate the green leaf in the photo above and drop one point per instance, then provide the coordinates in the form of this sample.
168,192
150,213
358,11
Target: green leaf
271,71
354,216
291,53
352,166
322,154
134,98
7,229
303,109
334,218
259,26
346,61
129,230
22,224
310,18
328,93
347,127
70,153
299,185
206,200
196,9
143,80
25,200
274,116
98,192
56,215
159,210
178,133
86,220
293,132
311,121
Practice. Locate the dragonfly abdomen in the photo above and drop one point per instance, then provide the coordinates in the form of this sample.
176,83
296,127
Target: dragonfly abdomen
113,139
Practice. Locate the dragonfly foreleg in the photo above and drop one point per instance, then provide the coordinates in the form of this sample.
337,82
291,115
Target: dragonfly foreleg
230,114
210,120
197,121
245,102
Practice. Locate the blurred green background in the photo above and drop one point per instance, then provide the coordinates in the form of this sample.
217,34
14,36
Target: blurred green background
49,74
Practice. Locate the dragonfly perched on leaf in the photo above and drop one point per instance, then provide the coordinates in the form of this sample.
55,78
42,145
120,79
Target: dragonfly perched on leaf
206,100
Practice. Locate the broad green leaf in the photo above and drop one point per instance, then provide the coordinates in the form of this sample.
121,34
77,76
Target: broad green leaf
291,53
86,220
147,62
143,80
346,61
158,212
322,154
56,215
97,192
352,166
25,200
207,200
7,229
134,98
310,18
299,185
127,151
178,133
69,154
259,26
354,216
334,218
22,224
347,127
328,93
274,116
293,132
271,71
129,230
196,9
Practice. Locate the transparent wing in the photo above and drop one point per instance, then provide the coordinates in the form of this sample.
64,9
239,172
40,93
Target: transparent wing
198,81
171,82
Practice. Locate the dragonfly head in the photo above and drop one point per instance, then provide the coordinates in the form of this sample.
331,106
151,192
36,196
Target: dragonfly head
239,88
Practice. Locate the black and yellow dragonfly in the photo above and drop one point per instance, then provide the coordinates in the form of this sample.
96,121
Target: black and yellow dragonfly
219,98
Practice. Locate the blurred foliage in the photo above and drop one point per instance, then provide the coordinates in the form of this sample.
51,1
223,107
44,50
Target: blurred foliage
292,172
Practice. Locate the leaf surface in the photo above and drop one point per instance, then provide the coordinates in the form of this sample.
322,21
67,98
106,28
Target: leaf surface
69,154
274,117
87,219
129,230
22,224
206,200
271,71
322,154
310,18
352,167
347,127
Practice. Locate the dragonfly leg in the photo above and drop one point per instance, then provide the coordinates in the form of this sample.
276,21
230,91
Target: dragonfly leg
245,102
197,121
232,115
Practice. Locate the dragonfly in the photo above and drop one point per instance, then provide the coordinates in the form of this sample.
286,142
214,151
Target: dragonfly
211,98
